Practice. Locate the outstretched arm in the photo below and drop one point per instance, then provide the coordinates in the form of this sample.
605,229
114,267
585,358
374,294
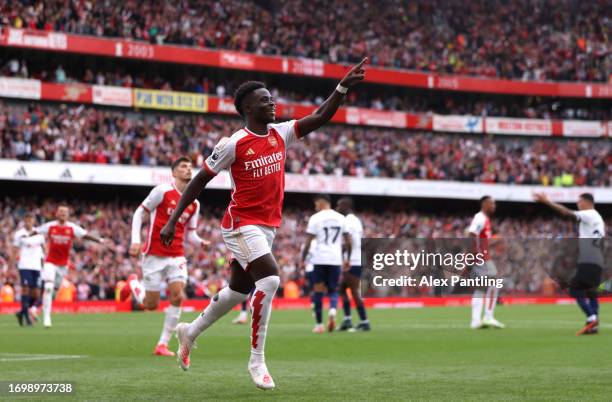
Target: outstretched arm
558,208
194,188
328,108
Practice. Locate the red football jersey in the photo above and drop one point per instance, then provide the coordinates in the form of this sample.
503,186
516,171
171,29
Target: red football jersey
256,164
60,239
481,227
160,203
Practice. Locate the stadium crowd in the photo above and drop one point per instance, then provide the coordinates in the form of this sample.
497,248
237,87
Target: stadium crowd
59,69
525,39
96,270
84,134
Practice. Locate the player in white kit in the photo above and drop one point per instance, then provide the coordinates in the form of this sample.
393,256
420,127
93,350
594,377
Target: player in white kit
161,263
480,230
591,231
255,160
328,227
28,251
351,276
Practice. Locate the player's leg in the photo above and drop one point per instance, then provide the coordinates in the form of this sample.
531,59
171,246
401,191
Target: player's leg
332,291
48,276
176,273
236,292
35,296
477,304
26,281
318,275
135,287
264,272
491,295
347,323
243,315
582,290
353,278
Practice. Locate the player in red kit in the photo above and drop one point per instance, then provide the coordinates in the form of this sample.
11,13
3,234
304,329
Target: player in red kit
60,233
480,230
161,263
255,159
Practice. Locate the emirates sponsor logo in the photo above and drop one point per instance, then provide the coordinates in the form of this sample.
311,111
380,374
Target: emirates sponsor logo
263,161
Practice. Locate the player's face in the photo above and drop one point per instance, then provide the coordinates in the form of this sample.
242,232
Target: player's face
28,221
183,171
62,213
260,105
490,206
582,204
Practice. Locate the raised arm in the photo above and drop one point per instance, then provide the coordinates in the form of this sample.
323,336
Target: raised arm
328,108
558,208
194,188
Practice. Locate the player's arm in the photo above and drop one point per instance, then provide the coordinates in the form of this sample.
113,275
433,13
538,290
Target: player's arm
348,249
306,249
194,188
328,108
558,208
192,235
99,240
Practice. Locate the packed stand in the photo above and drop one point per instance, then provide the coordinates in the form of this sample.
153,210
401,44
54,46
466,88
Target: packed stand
96,270
186,79
561,40
84,134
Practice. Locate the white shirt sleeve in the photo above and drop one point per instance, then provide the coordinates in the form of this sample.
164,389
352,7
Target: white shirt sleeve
477,224
44,228
222,157
192,236
154,198
312,226
583,216
137,224
17,238
78,230
288,131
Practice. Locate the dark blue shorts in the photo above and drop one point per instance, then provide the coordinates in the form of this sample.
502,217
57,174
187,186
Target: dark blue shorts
355,270
309,280
328,275
30,278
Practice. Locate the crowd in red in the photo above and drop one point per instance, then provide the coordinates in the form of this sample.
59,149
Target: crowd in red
85,134
563,40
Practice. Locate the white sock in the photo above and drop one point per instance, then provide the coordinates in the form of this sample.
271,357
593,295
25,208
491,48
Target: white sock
261,309
332,312
242,315
490,302
47,300
477,303
173,313
592,318
138,290
220,305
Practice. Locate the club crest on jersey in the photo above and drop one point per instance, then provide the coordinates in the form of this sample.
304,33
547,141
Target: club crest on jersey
272,141
172,202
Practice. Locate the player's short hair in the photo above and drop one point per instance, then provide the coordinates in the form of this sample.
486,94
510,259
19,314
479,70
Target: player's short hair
324,197
62,205
28,215
347,200
243,90
588,197
180,160
484,198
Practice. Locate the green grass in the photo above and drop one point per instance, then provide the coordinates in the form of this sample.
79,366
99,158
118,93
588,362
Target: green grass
421,354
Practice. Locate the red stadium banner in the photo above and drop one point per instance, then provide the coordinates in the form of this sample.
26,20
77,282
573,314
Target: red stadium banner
109,306
54,41
125,97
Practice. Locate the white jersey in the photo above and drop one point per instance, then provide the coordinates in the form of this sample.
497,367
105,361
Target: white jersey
590,226
355,229
327,226
30,249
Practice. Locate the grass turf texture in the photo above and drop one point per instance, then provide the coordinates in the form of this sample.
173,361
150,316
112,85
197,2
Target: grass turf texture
410,354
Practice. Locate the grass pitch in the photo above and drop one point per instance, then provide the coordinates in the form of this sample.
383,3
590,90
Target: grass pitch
423,354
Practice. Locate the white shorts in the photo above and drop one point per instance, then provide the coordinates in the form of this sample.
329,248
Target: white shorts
487,269
249,242
53,273
156,269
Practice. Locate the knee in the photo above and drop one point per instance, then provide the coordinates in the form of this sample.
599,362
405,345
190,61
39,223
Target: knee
150,304
319,287
176,299
49,286
269,283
